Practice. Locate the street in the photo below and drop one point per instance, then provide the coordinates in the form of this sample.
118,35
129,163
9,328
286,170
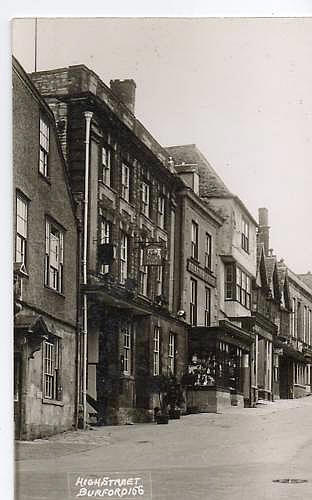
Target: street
235,455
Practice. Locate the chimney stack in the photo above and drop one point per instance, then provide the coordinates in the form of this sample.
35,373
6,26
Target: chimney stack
264,229
124,90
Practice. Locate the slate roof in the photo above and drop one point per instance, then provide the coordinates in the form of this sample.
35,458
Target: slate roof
210,182
306,278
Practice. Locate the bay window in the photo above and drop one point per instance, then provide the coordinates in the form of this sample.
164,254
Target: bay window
237,285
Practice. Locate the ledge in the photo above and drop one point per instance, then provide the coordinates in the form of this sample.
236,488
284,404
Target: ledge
53,402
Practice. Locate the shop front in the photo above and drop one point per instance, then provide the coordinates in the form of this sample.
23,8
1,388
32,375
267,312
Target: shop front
219,367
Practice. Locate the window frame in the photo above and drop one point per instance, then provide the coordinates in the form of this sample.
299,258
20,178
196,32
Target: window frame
207,306
208,251
143,275
19,237
172,352
44,146
105,237
125,186
237,285
245,234
145,198
193,302
106,166
161,211
127,331
159,280
156,350
57,281
124,257
51,368
194,240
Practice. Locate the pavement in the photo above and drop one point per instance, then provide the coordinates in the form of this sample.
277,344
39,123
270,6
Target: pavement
244,453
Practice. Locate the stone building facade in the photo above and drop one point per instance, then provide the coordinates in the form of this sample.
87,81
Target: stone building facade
132,325
222,350
296,369
45,271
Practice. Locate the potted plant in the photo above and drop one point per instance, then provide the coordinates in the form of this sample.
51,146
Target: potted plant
159,385
174,397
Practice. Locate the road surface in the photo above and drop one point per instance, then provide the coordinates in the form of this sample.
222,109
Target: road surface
236,455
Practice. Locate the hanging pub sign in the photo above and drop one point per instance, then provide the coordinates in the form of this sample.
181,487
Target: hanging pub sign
153,254
278,351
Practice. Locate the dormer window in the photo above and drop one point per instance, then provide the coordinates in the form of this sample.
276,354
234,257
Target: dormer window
44,147
245,234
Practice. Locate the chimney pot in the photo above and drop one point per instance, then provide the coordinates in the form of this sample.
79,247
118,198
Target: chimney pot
263,217
264,229
124,90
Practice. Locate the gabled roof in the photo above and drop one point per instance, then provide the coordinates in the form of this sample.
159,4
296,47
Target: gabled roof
261,277
272,275
283,283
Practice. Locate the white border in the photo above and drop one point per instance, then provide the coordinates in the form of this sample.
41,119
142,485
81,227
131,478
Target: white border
79,8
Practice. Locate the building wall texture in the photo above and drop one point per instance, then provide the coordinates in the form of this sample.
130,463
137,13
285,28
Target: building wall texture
47,197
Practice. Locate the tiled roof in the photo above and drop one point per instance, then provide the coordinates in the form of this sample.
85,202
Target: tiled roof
281,272
270,263
307,278
210,182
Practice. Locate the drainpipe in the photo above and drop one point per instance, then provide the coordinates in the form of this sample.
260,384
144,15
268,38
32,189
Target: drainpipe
78,324
182,253
88,116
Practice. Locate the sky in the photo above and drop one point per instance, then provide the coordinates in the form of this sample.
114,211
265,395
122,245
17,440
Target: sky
240,89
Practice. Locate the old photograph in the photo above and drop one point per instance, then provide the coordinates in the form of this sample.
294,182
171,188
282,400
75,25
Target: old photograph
162,258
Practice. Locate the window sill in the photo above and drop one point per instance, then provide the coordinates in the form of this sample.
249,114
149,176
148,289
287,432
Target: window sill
147,217
126,376
59,294
196,261
131,205
53,402
145,298
45,178
209,271
237,302
161,228
107,186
